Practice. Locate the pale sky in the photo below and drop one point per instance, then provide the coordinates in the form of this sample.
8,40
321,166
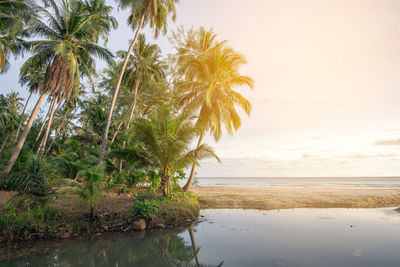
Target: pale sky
327,94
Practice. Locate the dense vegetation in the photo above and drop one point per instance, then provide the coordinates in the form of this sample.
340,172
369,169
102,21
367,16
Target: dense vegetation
130,126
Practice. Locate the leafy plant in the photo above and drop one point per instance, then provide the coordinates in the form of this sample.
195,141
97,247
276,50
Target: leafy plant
32,182
144,209
90,187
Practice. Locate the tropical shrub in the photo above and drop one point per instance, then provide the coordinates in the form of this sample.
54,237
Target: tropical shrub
33,181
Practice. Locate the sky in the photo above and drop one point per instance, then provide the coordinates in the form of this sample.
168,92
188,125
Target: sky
327,84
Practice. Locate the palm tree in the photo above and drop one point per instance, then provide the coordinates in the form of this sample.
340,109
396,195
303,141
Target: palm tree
13,16
33,78
152,12
144,68
96,15
211,71
67,51
164,143
10,106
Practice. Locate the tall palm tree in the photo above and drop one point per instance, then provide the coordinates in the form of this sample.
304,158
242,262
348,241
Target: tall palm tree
67,51
33,78
165,141
211,71
155,13
97,15
144,67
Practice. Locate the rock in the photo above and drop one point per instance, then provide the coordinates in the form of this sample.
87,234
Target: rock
64,235
139,224
75,235
98,234
161,226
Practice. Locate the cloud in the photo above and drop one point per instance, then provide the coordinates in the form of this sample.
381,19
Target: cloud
369,155
388,142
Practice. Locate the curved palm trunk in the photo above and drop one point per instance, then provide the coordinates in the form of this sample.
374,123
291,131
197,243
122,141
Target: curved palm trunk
46,134
22,139
44,120
57,133
130,117
194,246
188,184
120,125
115,95
4,144
131,108
22,116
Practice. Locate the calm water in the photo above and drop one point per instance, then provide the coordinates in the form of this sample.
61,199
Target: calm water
300,237
324,182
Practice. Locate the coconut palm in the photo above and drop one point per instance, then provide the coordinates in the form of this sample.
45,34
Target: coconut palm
67,50
9,116
211,70
144,68
33,78
155,13
13,16
164,142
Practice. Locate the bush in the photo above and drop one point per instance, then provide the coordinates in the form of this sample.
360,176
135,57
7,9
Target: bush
32,182
143,209
29,223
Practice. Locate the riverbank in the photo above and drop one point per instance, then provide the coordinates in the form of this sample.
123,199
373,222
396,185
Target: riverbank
68,217
267,198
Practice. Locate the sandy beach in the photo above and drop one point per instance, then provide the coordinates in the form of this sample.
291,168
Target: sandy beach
294,197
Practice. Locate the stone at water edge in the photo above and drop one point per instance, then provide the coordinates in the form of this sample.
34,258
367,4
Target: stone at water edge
161,226
139,224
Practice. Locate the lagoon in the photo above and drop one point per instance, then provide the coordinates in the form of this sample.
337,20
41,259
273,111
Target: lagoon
228,237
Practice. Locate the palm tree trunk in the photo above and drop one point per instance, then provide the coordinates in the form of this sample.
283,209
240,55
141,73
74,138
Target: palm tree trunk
46,134
22,116
4,144
115,95
130,117
57,133
188,184
44,120
164,181
194,246
131,109
164,184
21,140
120,125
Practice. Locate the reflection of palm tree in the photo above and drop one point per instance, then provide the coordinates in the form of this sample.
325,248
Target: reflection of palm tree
195,250
157,248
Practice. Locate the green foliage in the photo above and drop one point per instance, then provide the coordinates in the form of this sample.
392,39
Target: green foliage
89,187
33,181
165,142
27,224
144,209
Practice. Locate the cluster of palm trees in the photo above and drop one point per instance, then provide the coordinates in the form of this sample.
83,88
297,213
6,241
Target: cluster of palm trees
140,114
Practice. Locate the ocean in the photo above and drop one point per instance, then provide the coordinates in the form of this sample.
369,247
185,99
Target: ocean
314,182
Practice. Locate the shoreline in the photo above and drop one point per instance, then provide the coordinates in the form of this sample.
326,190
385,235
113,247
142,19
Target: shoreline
288,197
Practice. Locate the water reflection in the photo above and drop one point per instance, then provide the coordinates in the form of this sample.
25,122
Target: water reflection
299,237
153,248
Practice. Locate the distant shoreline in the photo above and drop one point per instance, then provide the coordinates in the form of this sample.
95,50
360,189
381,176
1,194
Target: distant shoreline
288,197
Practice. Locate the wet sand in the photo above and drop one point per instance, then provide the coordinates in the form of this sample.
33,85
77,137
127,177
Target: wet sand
294,197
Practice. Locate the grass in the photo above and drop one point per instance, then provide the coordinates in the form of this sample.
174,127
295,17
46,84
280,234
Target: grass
67,216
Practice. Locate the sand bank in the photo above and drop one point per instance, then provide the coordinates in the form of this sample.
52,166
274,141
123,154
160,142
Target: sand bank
294,197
